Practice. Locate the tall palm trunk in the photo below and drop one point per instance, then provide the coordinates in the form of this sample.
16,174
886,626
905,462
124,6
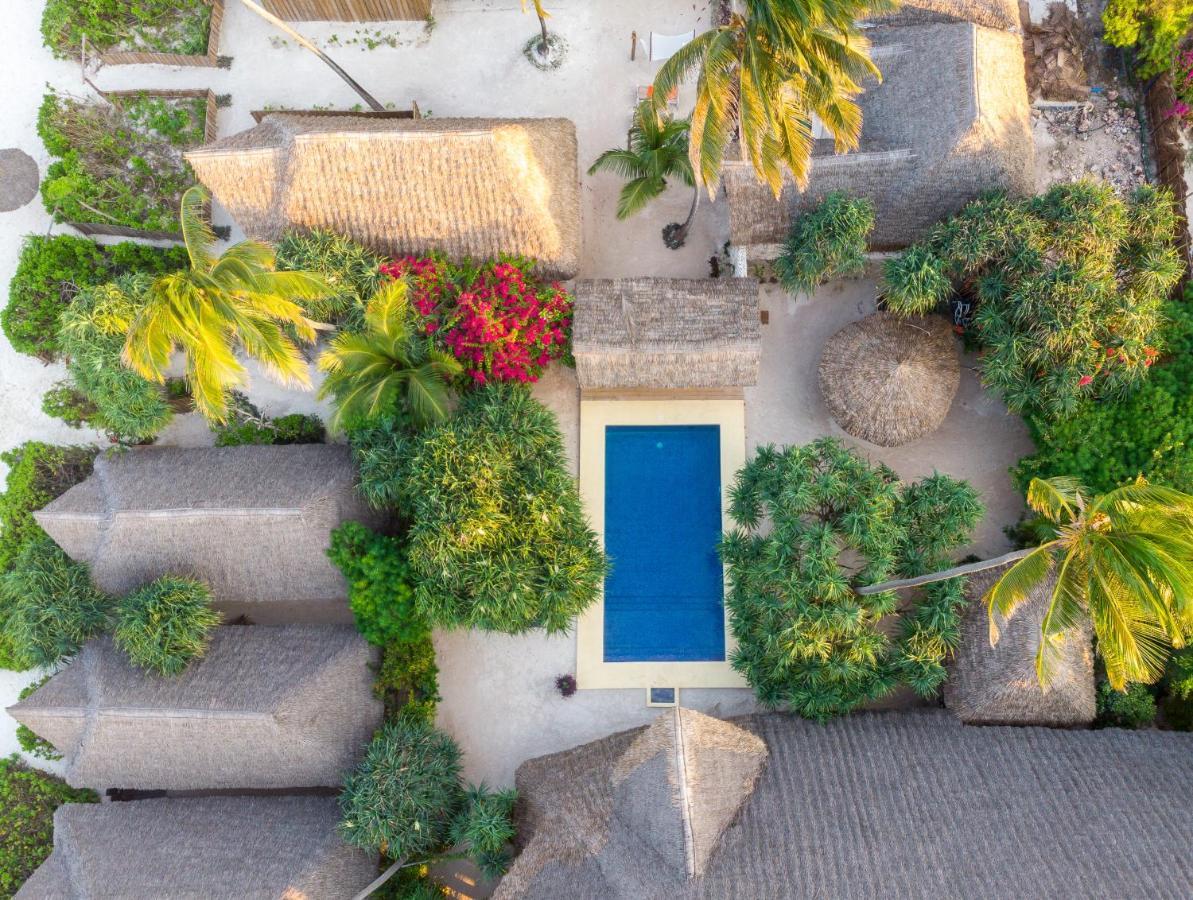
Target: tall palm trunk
676,234
946,574
544,47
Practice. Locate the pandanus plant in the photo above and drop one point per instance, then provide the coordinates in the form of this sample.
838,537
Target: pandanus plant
1123,560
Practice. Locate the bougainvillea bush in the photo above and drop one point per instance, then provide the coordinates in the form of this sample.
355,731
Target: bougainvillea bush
499,319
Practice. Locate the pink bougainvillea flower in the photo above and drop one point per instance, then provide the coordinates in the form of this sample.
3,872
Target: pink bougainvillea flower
1085,379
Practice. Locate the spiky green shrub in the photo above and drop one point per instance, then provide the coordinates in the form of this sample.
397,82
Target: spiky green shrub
380,584
407,680
828,241
354,271
485,826
28,799
1069,286
379,447
499,540
53,608
30,742
811,523
166,624
248,425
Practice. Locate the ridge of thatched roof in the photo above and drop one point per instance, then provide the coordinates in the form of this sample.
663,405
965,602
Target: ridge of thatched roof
666,332
476,188
889,380
998,14
998,685
253,522
950,120
285,706
217,848
881,805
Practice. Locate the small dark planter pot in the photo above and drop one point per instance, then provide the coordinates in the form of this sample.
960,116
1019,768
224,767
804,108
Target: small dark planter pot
566,685
674,235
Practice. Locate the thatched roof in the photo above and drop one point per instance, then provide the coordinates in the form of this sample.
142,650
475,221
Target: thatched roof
217,848
283,706
889,380
666,333
911,804
998,14
254,522
998,686
950,120
466,187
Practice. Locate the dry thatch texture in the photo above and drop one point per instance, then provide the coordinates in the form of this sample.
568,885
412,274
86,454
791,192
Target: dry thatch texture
216,848
950,120
911,804
666,333
253,522
999,14
998,686
888,380
466,187
283,706
348,10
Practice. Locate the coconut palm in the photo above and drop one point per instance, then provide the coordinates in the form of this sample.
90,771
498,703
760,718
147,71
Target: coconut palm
1124,559
220,304
369,371
544,46
764,74
658,150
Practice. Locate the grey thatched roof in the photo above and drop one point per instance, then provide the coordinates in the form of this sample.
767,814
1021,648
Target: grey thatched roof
998,685
999,14
911,804
950,120
225,848
666,333
284,706
889,380
466,187
253,522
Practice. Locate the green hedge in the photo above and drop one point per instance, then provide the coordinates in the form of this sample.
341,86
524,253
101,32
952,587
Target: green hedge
52,270
162,26
166,625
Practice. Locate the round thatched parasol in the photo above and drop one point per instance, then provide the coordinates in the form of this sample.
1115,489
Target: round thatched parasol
889,380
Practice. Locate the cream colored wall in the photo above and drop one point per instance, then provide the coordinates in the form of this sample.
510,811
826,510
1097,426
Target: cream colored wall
591,669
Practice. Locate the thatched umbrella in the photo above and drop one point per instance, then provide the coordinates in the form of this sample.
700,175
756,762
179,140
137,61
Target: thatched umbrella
888,380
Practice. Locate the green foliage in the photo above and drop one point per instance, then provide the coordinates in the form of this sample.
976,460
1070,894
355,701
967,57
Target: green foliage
116,399
408,680
52,270
379,447
1070,288
162,26
247,425
805,640
485,826
353,272
28,799
1133,708
116,167
37,473
1149,432
826,242
658,150
499,540
166,624
52,606
380,584
30,742
1153,27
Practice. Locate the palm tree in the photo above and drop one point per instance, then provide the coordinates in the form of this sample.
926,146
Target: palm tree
764,74
1125,559
369,371
544,45
237,299
658,151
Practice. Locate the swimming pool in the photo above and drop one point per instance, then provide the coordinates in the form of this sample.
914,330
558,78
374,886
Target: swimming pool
664,599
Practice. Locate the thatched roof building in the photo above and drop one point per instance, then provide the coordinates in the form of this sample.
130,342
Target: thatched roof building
1002,15
217,848
889,380
466,187
285,706
872,805
666,333
253,522
998,685
950,120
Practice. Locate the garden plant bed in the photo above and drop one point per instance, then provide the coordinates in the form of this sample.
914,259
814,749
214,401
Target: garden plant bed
181,33
139,155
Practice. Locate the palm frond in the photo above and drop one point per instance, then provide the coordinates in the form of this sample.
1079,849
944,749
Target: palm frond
1014,587
196,232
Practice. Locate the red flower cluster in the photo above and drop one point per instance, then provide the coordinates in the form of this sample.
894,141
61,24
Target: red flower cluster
504,326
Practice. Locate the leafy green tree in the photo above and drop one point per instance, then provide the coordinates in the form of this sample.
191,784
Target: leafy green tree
380,584
220,303
811,522
372,371
1070,288
1154,28
828,241
499,540
166,625
658,151
764,74
1133,708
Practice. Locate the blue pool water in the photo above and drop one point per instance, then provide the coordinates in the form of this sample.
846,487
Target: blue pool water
664,597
